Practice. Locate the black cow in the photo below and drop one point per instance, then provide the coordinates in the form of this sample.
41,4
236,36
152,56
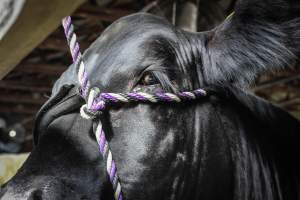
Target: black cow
231,145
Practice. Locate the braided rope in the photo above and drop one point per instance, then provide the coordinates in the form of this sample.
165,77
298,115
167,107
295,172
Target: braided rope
96,102
76,55
84,88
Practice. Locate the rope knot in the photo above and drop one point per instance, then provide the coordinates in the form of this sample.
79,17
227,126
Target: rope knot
95,105
87,113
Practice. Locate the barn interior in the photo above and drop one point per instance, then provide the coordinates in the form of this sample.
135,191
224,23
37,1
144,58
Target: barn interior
29,71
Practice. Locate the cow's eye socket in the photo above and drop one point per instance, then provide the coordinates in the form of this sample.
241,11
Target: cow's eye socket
149,79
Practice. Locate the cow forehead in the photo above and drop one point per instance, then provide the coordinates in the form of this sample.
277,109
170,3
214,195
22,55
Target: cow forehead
110,63
122,52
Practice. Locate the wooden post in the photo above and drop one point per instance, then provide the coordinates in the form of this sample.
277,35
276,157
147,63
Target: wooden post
187,16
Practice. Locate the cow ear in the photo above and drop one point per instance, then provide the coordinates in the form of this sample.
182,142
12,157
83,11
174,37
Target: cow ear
260,36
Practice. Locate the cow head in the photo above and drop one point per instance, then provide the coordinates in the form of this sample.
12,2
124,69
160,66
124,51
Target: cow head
161,151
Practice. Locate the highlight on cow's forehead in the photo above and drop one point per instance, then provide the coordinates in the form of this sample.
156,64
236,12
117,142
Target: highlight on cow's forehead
118,26
112,30
93,58
115,28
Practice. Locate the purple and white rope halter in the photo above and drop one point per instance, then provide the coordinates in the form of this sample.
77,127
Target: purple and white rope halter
96,102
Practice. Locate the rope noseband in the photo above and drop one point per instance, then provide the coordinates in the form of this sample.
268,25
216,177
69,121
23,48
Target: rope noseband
97,102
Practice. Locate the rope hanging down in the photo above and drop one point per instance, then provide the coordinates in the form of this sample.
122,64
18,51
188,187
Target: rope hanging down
96,102
84,88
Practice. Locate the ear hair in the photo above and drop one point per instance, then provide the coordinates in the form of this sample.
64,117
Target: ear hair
252,41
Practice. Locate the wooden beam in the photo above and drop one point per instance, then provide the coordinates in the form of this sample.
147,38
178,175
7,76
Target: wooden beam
120,3
107,14
22,99
51,43
289,103
16,85
36,21
60,44
41,68
272,82
19,110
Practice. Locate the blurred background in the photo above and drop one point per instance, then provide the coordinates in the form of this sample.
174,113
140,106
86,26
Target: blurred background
34,52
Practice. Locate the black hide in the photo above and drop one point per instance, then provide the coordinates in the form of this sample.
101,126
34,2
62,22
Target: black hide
231,145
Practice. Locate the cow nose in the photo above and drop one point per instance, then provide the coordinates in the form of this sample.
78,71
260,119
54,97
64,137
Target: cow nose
36,194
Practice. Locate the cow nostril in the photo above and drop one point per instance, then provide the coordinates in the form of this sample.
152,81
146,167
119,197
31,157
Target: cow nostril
36,195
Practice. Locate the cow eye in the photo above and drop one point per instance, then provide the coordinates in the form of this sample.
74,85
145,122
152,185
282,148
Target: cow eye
149,79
